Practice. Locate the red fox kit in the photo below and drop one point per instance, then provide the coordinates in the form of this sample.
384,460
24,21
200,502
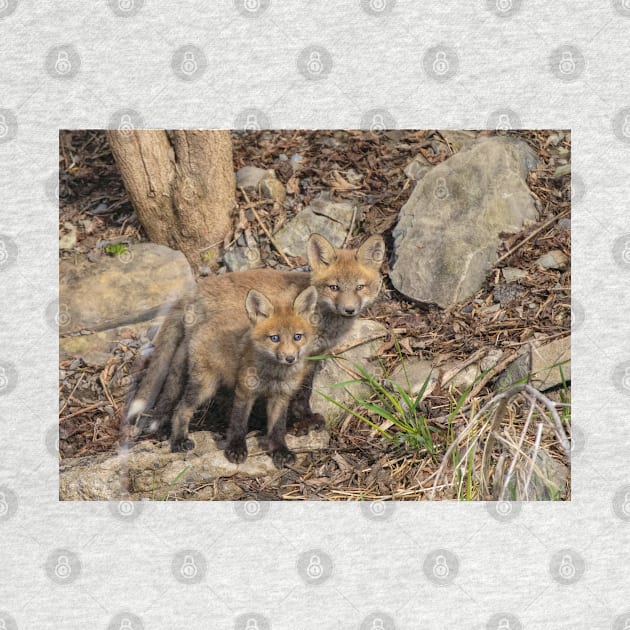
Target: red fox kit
259,351
346,280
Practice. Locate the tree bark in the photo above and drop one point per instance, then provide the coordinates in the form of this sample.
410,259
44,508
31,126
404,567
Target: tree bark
181,185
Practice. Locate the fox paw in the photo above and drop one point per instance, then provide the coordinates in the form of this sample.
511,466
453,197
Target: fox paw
309,422
282,456
181,445
236,452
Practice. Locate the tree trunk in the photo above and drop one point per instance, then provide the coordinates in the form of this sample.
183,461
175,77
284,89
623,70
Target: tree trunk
181,185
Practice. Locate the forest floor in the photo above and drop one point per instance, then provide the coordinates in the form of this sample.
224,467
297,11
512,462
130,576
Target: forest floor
366,168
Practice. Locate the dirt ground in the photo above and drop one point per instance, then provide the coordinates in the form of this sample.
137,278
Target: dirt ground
366,168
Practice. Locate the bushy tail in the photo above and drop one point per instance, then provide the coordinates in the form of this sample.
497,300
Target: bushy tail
168,340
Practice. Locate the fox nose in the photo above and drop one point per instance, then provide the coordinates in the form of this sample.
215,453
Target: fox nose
289,358
350,310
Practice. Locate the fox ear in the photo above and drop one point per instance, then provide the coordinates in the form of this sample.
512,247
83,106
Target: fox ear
258,307
372,252
320,252
306,302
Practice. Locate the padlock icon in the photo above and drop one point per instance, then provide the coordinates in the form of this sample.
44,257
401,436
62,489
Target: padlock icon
504,624
251,508
62,65
440,191
377,508
625,381
190,317
567,63
504,508
315,65
440,63
4,128
440,568
125,508
189,63
125,624
63,568
315,569
567,568
626,5
251,123
377,624
4,381
4,254
125,125
378,124
625,507
251,5
503,123
125,5
504,5
625,129
251,624
4,506
625,254
188,569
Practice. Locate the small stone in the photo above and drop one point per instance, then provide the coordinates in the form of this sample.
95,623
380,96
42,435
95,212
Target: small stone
565,224
250,177
505,294
561,171
418,168
69,240
242,258
554,259
511,274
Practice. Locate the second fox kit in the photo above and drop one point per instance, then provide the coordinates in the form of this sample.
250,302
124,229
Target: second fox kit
346,280
258,350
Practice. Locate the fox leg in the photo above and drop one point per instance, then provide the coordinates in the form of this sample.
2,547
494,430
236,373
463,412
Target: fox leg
302,416
197,391
236,446
277,430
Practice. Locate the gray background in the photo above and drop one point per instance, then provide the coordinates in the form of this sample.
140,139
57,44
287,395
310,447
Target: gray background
415,64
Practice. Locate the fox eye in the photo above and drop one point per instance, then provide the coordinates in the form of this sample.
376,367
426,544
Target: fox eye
298,336
333,287
275,338
360,287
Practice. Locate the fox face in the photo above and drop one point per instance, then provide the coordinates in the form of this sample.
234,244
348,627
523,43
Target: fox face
283,334
346,280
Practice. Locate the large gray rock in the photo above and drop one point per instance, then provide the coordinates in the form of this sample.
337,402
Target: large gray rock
331,220
151,471
447,234
118,290
358,346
